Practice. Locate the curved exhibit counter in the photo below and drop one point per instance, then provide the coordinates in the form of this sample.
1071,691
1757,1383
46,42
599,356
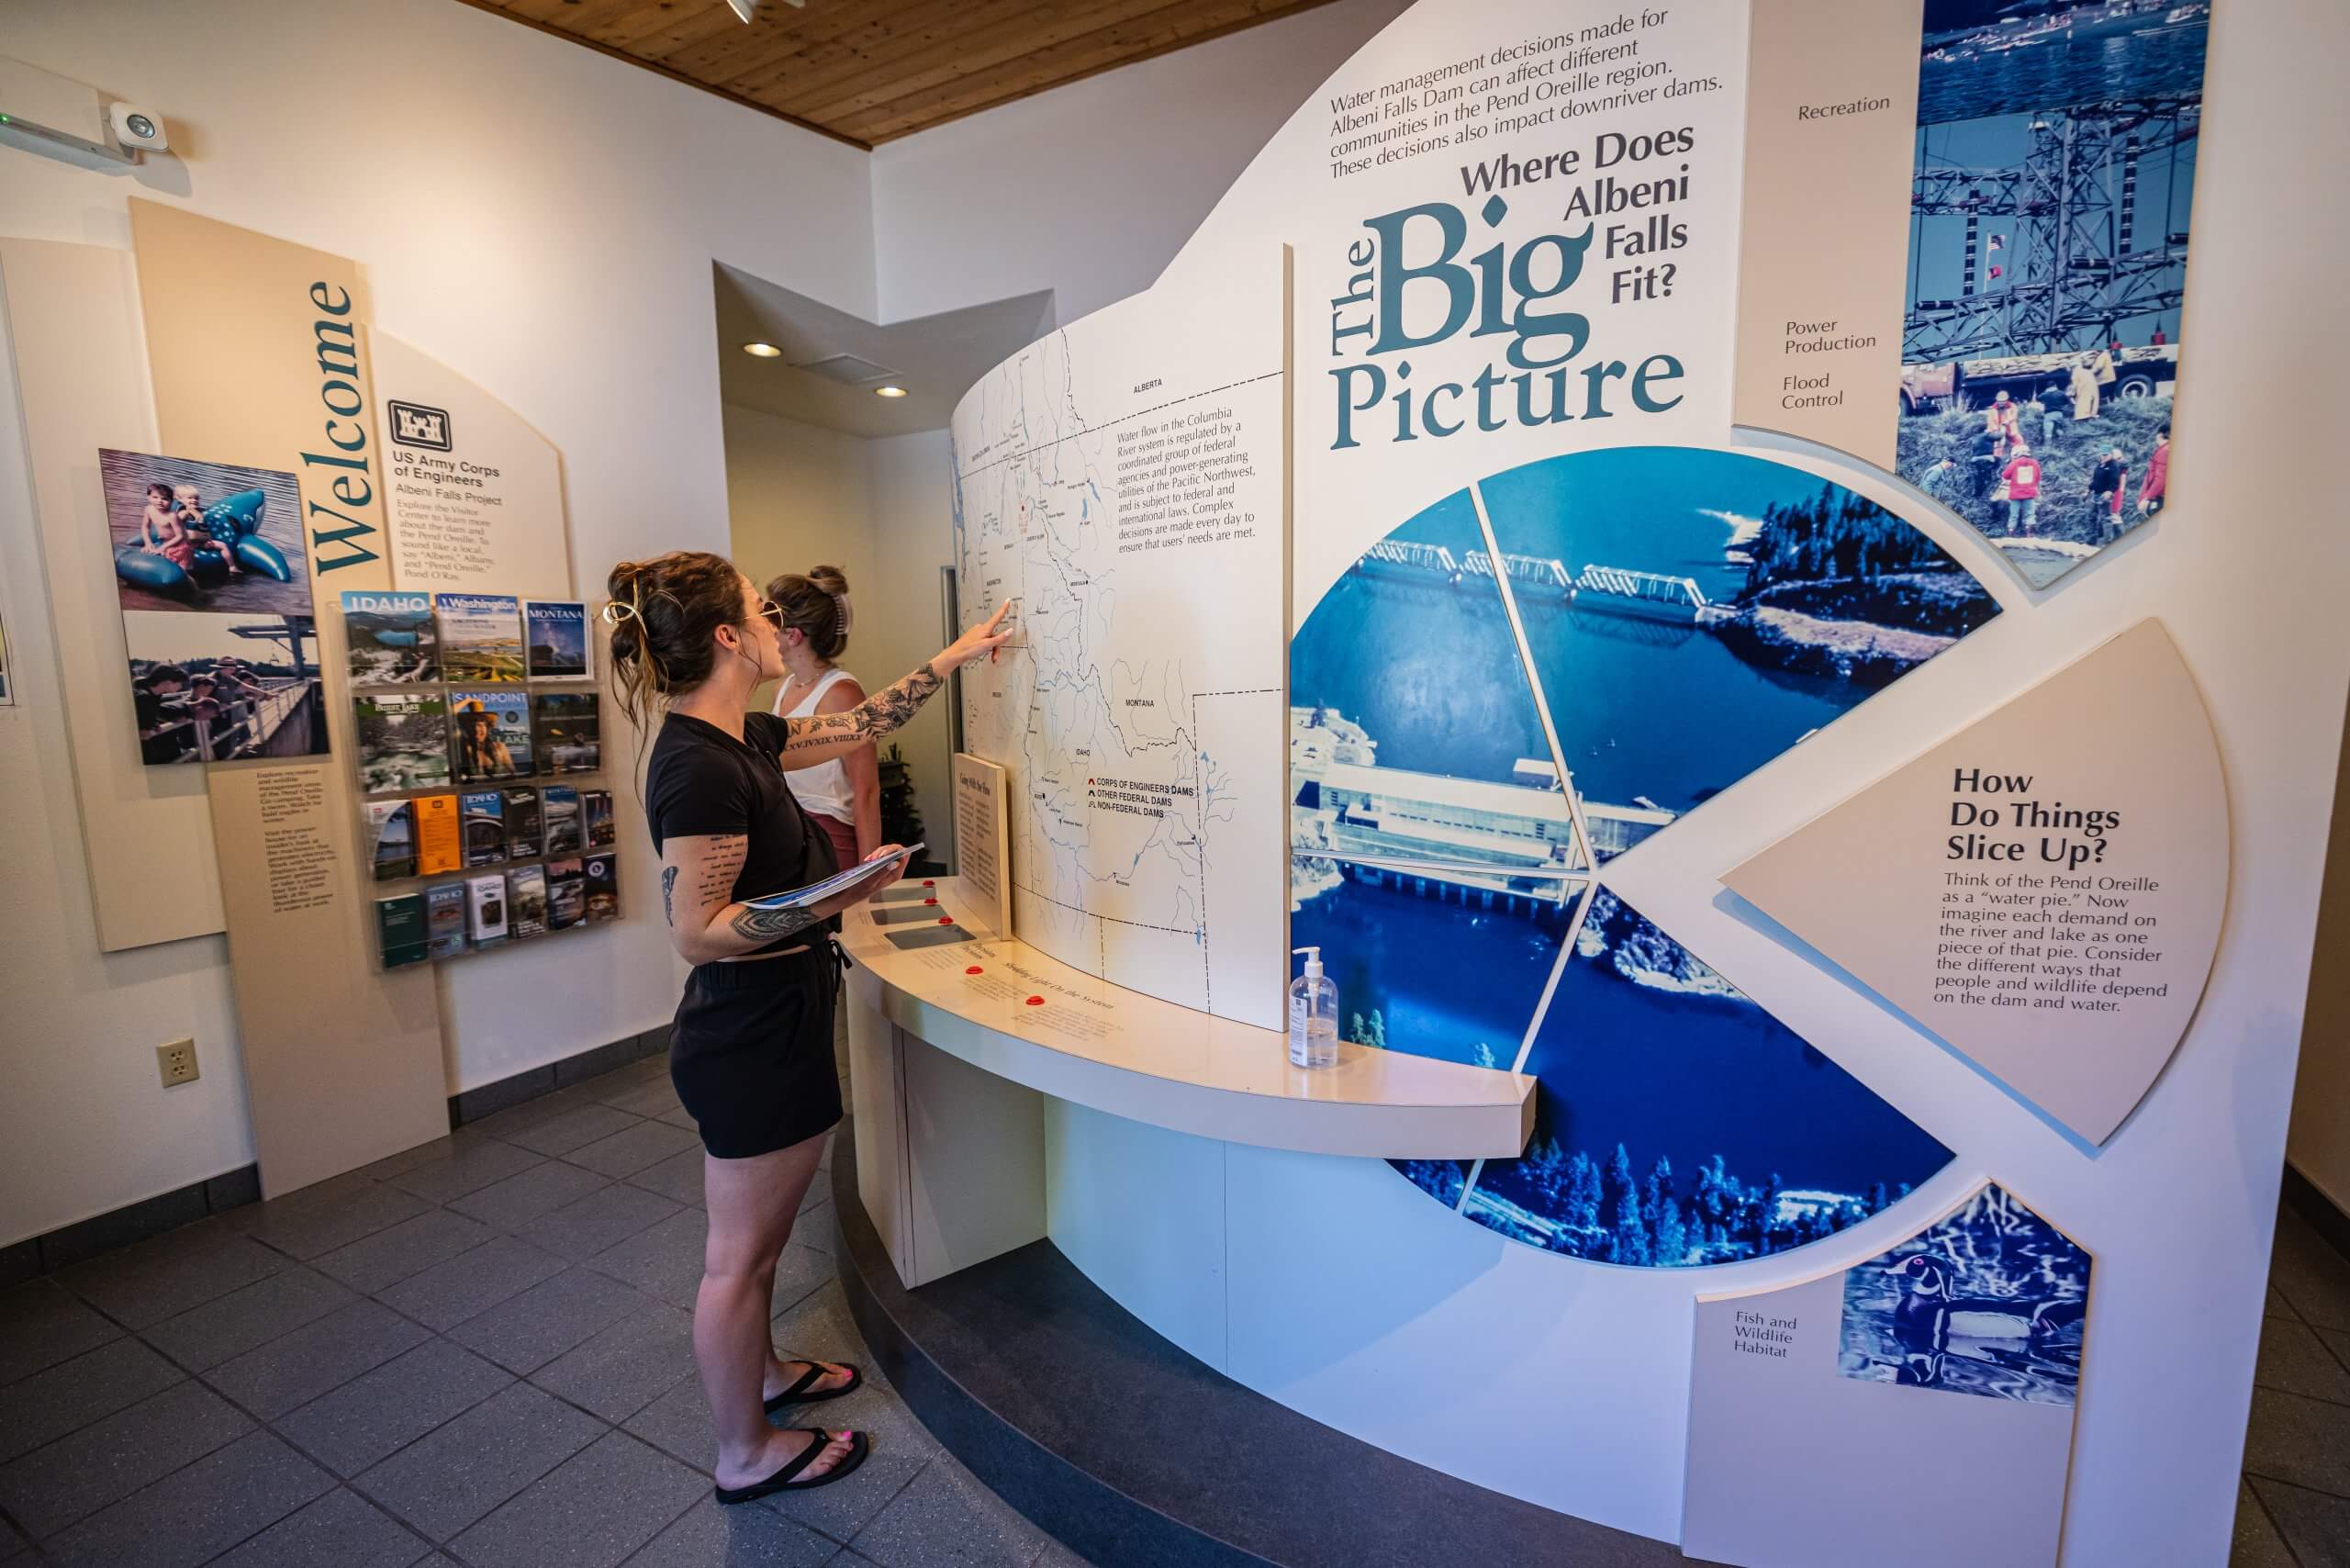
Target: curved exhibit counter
958,1038
977,1064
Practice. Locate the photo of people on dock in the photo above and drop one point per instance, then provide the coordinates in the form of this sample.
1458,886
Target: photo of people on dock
189,535
1690,614
216,688
2054,182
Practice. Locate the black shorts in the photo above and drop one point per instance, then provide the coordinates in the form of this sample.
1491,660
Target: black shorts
751,1052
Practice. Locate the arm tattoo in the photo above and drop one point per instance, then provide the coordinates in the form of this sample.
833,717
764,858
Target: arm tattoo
763,926
668,887
869,719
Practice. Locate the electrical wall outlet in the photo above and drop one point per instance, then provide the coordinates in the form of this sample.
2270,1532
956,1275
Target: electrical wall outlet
176,1061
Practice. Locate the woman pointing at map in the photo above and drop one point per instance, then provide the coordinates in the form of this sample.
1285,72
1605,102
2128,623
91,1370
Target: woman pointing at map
751,1049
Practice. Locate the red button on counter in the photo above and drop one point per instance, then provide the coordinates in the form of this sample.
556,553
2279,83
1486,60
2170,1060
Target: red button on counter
1036,1002
946,920
929,884
930,901
972,970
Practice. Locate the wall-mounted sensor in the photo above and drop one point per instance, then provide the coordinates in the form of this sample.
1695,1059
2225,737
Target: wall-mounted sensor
137,129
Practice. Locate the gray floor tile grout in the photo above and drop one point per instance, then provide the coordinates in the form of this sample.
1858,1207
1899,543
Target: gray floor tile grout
340,1485
670,1523
2276,1528
2339,1358
917,1473
387,1506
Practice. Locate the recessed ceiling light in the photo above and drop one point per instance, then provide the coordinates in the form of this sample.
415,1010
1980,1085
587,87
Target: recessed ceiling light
888,391
762,351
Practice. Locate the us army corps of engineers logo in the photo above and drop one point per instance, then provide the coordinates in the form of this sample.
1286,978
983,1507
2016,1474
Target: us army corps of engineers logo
413,424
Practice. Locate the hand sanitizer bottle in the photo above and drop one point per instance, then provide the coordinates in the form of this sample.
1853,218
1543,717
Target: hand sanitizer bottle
1312,1014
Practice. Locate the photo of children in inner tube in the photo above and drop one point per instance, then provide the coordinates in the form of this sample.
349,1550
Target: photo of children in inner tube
189,535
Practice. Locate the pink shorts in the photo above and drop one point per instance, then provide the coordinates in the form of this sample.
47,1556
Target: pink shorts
844,837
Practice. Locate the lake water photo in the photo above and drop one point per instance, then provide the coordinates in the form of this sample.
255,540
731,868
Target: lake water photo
1690,615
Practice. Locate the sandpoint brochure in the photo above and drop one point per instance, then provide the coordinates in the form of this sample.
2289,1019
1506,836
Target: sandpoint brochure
489,734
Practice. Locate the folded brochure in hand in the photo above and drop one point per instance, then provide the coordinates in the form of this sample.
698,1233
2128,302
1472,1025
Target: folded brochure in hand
817,892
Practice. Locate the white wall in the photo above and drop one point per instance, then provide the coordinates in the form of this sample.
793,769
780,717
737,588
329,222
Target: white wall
878,509
83,1125
796,498
542,219
1089,190
907,478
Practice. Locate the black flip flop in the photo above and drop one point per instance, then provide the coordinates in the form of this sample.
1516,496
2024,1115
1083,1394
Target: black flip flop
793,1395
781,1481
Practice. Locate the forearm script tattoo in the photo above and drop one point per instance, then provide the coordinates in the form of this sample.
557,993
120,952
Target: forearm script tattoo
869,719
713,888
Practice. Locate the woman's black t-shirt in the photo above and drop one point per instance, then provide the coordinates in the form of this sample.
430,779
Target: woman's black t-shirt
703,780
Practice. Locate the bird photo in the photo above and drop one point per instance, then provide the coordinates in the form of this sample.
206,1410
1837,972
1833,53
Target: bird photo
1990,1300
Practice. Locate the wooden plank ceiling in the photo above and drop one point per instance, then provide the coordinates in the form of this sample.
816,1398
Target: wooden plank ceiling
867,70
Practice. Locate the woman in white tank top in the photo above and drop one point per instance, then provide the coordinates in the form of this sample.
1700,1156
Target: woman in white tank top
844,796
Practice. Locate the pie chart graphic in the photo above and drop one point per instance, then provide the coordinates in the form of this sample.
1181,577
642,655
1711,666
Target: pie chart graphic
1536,676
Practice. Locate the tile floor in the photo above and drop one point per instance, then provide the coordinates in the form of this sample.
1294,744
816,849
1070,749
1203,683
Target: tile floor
2294,1508
477,1352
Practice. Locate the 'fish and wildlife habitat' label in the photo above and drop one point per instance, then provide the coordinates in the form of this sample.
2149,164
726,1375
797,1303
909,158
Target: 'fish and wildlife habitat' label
1754,1333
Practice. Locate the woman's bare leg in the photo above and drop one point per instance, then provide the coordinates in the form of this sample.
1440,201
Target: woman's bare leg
752,1205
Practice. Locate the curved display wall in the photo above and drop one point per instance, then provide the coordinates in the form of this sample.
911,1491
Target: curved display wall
1575,649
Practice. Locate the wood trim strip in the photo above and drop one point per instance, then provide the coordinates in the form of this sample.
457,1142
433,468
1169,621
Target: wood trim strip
660,70
1079,59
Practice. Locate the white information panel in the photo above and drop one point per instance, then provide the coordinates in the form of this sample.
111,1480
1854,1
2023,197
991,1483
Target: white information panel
1816,1409
2040,890
474,496
1122,482
980,833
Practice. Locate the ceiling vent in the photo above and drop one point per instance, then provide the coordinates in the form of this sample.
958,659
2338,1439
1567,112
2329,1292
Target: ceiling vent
847,368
